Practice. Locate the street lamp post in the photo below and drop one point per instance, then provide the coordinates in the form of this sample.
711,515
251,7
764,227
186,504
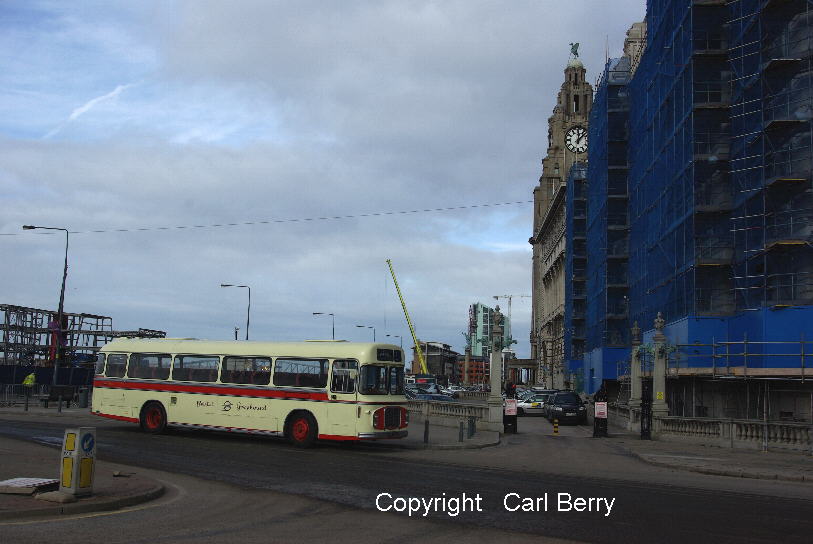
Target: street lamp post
398,336
248,312
367,327
60,309
333,322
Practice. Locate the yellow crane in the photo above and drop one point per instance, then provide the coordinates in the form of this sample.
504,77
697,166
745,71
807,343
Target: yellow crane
418,350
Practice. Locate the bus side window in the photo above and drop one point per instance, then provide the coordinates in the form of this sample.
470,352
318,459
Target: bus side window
344,376
196,368
300,372
149,366
246,370
116,364
100,364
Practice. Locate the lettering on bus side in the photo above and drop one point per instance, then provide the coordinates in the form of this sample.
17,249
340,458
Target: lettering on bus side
251,407
204,403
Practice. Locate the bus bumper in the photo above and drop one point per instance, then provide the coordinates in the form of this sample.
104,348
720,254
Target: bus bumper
383,434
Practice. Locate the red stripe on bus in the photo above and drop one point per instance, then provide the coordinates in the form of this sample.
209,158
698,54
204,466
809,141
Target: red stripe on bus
210,390
336,437
120,418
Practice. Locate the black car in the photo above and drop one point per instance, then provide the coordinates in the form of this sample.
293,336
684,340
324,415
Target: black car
567,406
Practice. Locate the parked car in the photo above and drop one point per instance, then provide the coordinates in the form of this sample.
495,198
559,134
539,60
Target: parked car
454,390
532,405
567,406
435,397
428,388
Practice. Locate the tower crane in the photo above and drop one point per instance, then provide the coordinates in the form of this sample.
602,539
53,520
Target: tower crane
510,297
418,350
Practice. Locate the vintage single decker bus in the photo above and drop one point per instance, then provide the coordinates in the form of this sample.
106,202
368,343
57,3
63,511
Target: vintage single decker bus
303,391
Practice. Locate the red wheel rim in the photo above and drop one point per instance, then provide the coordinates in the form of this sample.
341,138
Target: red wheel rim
300,429
154,418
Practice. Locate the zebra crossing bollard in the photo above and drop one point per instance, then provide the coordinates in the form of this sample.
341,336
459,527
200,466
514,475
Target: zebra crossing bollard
555,427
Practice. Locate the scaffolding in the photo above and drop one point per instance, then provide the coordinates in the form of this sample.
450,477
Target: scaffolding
744,359
772,107
30,335
681,247
575,268
607,210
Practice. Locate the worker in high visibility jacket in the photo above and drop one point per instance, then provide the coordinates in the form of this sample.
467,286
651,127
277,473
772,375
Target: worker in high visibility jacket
28,384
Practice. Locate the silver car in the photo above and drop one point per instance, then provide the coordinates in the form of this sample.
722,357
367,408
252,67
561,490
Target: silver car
532,405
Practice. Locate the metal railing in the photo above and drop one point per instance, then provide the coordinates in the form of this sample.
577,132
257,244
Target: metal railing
705,40
789,225
712,92
740,357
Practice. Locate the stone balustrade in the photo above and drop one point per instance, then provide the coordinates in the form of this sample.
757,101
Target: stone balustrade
472,395
441,409
700,427
735,433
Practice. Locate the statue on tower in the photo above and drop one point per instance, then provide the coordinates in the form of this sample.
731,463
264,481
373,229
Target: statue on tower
574,49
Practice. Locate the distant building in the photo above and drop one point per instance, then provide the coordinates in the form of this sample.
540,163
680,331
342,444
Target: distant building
441,361
478,369
481,319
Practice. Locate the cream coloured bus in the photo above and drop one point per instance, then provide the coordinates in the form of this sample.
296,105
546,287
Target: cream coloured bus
303,391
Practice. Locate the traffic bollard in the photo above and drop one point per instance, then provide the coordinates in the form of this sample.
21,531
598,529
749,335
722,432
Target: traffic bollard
473,429
555,427
78,461
425,431
460,433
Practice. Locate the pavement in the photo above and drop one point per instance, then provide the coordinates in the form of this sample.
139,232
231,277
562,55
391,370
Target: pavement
118,486
738,463
110,491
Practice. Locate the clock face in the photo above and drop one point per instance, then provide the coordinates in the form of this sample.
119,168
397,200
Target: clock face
576,140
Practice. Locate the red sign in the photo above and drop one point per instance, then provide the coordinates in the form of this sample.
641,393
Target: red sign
601,410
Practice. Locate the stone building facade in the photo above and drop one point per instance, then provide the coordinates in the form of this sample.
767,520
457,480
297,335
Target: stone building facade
548,240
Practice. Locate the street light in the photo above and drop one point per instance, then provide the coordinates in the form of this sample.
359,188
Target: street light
248,312
333,320
59,352
397,336
367,327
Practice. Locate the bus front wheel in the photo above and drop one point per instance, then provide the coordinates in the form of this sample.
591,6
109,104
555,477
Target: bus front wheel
153,418
301,429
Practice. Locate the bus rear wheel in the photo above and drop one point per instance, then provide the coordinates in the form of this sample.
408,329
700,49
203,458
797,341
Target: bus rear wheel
153,418
301,430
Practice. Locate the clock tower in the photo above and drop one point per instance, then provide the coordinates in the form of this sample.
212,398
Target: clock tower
567,144
570,114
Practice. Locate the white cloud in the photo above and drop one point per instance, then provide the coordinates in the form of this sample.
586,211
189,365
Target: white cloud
283,110
86,107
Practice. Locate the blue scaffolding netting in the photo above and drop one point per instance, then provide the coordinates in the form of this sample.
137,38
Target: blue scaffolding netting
707,217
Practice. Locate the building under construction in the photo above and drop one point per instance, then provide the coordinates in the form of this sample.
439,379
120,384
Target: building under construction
32,337
719,209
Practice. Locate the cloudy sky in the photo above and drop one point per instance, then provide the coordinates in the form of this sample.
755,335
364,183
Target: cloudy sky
303,129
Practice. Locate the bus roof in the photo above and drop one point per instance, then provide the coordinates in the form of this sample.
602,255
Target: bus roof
237,347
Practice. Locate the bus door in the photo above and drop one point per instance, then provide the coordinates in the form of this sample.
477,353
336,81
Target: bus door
342,407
